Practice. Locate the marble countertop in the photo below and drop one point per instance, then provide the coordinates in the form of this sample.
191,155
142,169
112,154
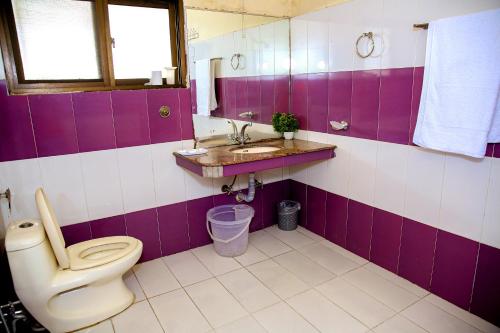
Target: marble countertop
223,155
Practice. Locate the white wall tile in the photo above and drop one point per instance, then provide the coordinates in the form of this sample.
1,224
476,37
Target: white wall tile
491,227
465,187
136,174
101,180
170,186
362,166
390,178
298,40
317,46
338,167
424,183
197,186
22,178
63,183
342,37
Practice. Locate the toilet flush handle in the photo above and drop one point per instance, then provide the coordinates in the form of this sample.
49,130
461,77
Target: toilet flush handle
7,195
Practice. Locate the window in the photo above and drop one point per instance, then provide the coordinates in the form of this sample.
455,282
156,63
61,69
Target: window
86,45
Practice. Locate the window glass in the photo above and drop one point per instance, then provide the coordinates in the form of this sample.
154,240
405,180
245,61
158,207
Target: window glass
141,40
57,39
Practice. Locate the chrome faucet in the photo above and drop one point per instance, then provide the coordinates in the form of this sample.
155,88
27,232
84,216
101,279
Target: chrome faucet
239,138
234,136
243,136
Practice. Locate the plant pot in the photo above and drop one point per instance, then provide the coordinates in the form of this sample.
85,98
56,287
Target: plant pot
288,135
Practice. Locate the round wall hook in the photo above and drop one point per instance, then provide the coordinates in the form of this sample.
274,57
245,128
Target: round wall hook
164,111
368,35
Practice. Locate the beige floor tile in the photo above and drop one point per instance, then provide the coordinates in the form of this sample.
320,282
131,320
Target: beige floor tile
466,316
131,282
102,327
398,324
292,238
268,244
249,291
243,325
304,268
138,318
435,320
187,268
385,291
403,283
251,256
215,263
351,256
279,280
323,314
215,302
280,318
310,234
155,278
356,302
177,313
328,258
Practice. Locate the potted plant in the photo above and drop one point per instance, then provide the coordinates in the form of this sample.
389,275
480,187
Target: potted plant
285,123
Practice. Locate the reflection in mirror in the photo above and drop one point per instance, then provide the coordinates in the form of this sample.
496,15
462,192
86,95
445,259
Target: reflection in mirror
239,69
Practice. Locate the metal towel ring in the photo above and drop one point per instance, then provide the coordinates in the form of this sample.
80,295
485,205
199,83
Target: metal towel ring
236,56
368,35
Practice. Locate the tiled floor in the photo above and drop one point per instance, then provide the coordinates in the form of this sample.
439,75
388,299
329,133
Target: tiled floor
286,282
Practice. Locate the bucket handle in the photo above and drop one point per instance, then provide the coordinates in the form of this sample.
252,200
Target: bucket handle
215,239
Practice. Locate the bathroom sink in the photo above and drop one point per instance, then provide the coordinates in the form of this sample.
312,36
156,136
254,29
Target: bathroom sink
255,150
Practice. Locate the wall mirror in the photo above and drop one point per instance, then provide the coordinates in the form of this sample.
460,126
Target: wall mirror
249,56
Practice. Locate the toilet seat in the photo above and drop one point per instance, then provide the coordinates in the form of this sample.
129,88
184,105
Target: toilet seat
101,251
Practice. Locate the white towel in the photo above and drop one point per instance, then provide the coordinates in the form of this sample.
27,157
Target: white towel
205,87
460,103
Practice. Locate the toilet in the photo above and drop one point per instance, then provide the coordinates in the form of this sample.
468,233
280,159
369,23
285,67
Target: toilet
66,289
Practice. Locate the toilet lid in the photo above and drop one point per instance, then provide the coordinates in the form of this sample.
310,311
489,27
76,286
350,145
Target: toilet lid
52,228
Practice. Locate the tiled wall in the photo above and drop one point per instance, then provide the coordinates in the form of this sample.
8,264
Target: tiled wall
455,268
410,210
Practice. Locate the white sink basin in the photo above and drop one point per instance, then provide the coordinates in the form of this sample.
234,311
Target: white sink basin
255,150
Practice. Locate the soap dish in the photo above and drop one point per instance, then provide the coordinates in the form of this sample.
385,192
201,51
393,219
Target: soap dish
192,152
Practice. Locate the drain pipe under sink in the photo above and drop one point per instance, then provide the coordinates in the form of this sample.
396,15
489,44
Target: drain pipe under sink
240,197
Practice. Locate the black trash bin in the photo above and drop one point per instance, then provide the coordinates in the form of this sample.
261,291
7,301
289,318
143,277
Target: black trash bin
288,215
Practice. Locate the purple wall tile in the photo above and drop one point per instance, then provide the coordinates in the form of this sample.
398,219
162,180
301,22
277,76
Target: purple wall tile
316,210
267,98
272,194
317,99
299,99
282,94
490,149
496,150
418,79
109,226
164,129
256,204
53,124
418,242
486,294
143,225
230,96
365,103
197,216
298,192
386,239
359,227
131,117
395,105
336,219
94,121
241,95
253,88
76,233
187,130
18,141
192,88
454,266
339,99
174,232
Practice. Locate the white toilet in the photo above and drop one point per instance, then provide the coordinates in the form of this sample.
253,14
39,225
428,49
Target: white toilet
66,289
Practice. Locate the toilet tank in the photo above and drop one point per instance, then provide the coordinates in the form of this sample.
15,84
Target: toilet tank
31,259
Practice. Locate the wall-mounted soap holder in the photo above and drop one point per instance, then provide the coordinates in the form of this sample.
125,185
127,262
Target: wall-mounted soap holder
339,126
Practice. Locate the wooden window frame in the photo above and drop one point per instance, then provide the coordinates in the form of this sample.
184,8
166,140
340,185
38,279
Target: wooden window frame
13,61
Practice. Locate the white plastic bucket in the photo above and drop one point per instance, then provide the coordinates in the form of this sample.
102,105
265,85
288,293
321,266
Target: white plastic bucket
228,225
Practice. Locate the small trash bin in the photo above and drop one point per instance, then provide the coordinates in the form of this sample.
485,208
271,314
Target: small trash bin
228,225
288,215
